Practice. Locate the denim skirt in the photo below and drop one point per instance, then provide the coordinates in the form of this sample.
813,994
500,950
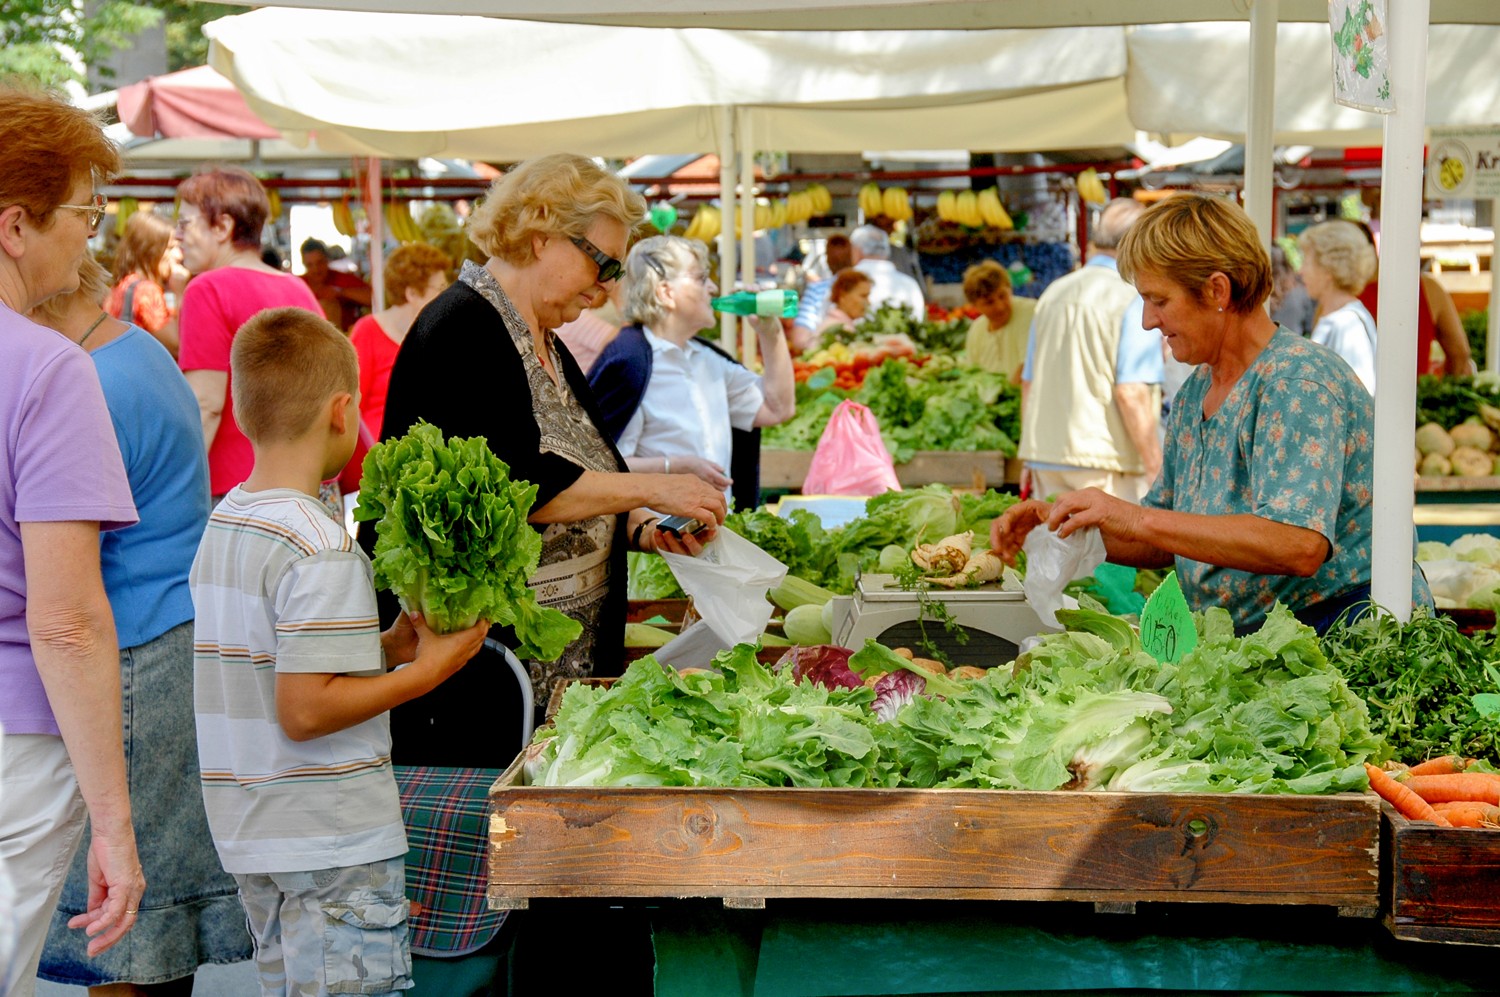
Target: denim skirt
191,913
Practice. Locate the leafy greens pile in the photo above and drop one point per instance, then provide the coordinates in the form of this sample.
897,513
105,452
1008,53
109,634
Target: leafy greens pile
933,336
831,557
1433,688
939,405
452,541
1085,709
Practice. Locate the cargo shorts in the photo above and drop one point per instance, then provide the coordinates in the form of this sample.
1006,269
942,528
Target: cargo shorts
333,931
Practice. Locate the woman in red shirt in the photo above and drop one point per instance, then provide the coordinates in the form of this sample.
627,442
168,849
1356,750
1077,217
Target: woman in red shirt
414,275
149,277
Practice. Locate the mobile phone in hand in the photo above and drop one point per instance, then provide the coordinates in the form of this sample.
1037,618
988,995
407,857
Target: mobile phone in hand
679,525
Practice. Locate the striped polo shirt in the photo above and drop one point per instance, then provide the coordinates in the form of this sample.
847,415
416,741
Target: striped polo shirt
278,586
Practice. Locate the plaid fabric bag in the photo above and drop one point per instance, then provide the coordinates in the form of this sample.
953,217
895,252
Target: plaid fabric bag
446,812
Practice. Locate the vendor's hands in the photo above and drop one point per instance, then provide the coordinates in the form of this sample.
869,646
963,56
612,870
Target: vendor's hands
689,495
1115,518
710,472
1008,531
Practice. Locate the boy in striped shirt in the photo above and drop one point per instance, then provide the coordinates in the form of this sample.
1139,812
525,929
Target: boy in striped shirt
292,680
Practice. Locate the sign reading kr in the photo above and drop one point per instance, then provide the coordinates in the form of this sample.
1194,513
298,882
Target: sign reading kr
1464,162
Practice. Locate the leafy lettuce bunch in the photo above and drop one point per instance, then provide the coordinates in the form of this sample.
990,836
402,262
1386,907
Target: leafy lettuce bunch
452,541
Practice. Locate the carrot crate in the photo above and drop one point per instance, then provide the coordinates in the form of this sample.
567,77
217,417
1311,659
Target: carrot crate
1440,884
1112,849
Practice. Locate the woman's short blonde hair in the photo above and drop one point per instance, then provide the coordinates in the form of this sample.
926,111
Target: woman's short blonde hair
557,195
1190,237
984,280
1340,248
651,261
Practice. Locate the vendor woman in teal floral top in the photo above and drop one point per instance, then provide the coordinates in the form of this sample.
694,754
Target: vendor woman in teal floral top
1264,492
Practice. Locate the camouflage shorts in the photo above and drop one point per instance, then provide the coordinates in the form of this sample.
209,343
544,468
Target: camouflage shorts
333,931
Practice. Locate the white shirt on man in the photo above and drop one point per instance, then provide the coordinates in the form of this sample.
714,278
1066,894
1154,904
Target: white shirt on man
892,285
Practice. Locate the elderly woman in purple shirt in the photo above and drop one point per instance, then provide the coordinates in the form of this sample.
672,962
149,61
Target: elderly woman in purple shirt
60,755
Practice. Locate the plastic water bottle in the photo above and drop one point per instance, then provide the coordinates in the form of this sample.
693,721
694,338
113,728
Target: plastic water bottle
782,303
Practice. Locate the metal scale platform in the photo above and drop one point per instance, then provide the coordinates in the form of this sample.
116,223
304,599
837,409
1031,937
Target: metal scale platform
995,620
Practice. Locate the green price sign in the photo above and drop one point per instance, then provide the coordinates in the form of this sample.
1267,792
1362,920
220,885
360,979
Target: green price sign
1167,630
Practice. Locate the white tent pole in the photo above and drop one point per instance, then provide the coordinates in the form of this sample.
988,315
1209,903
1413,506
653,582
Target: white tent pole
744,139
1261,118
376,218
1492,344
728,324
1395,351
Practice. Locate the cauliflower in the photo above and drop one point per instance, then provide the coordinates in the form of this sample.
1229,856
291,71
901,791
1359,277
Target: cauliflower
1473,433
1435,466
1434,439
1468,462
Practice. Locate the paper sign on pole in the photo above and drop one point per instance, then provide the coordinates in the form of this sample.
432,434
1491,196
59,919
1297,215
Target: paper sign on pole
1464,162
1361,60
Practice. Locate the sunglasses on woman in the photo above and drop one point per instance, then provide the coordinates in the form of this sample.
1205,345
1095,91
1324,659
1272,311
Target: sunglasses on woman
95,211
609,267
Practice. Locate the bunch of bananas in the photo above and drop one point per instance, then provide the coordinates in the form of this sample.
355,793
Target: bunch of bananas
126,207
273,197
399,222
1091,188
343,218
706,225
893,202
973,210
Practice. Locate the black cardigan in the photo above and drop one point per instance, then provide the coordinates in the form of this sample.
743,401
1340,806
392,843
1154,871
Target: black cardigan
458,368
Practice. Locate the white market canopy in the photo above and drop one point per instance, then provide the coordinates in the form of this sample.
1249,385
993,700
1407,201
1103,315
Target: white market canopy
908,15
408,85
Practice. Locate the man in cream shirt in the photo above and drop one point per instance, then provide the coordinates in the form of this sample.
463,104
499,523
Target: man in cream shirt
1091,386
872,255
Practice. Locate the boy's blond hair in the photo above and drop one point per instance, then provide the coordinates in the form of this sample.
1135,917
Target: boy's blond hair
285,364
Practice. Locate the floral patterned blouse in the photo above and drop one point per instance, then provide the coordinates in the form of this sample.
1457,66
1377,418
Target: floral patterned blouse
1292,443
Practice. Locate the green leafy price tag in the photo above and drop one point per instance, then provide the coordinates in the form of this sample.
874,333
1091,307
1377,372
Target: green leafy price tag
1167,631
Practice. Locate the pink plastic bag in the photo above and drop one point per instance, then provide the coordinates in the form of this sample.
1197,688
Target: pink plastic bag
851,459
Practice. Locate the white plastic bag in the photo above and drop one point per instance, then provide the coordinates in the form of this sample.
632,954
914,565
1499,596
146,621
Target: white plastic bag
728,584
1052,562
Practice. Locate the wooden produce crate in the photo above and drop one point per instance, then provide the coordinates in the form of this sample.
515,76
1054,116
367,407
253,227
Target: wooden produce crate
980,469
1438,884
1112,849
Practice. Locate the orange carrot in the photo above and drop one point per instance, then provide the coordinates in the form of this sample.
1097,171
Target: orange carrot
1406,802
1469,814
1446,765
1478,786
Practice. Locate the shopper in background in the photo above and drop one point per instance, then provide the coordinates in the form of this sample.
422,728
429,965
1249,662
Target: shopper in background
64,483
1265,487
671,400
191,914
872,254
1091,386
1290,304
849,301
149,278
1337,262
996,340
342,296
1437,321
219,225
816,298
414,275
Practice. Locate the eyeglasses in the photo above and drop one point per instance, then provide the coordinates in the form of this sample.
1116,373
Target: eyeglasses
609,267
95,211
